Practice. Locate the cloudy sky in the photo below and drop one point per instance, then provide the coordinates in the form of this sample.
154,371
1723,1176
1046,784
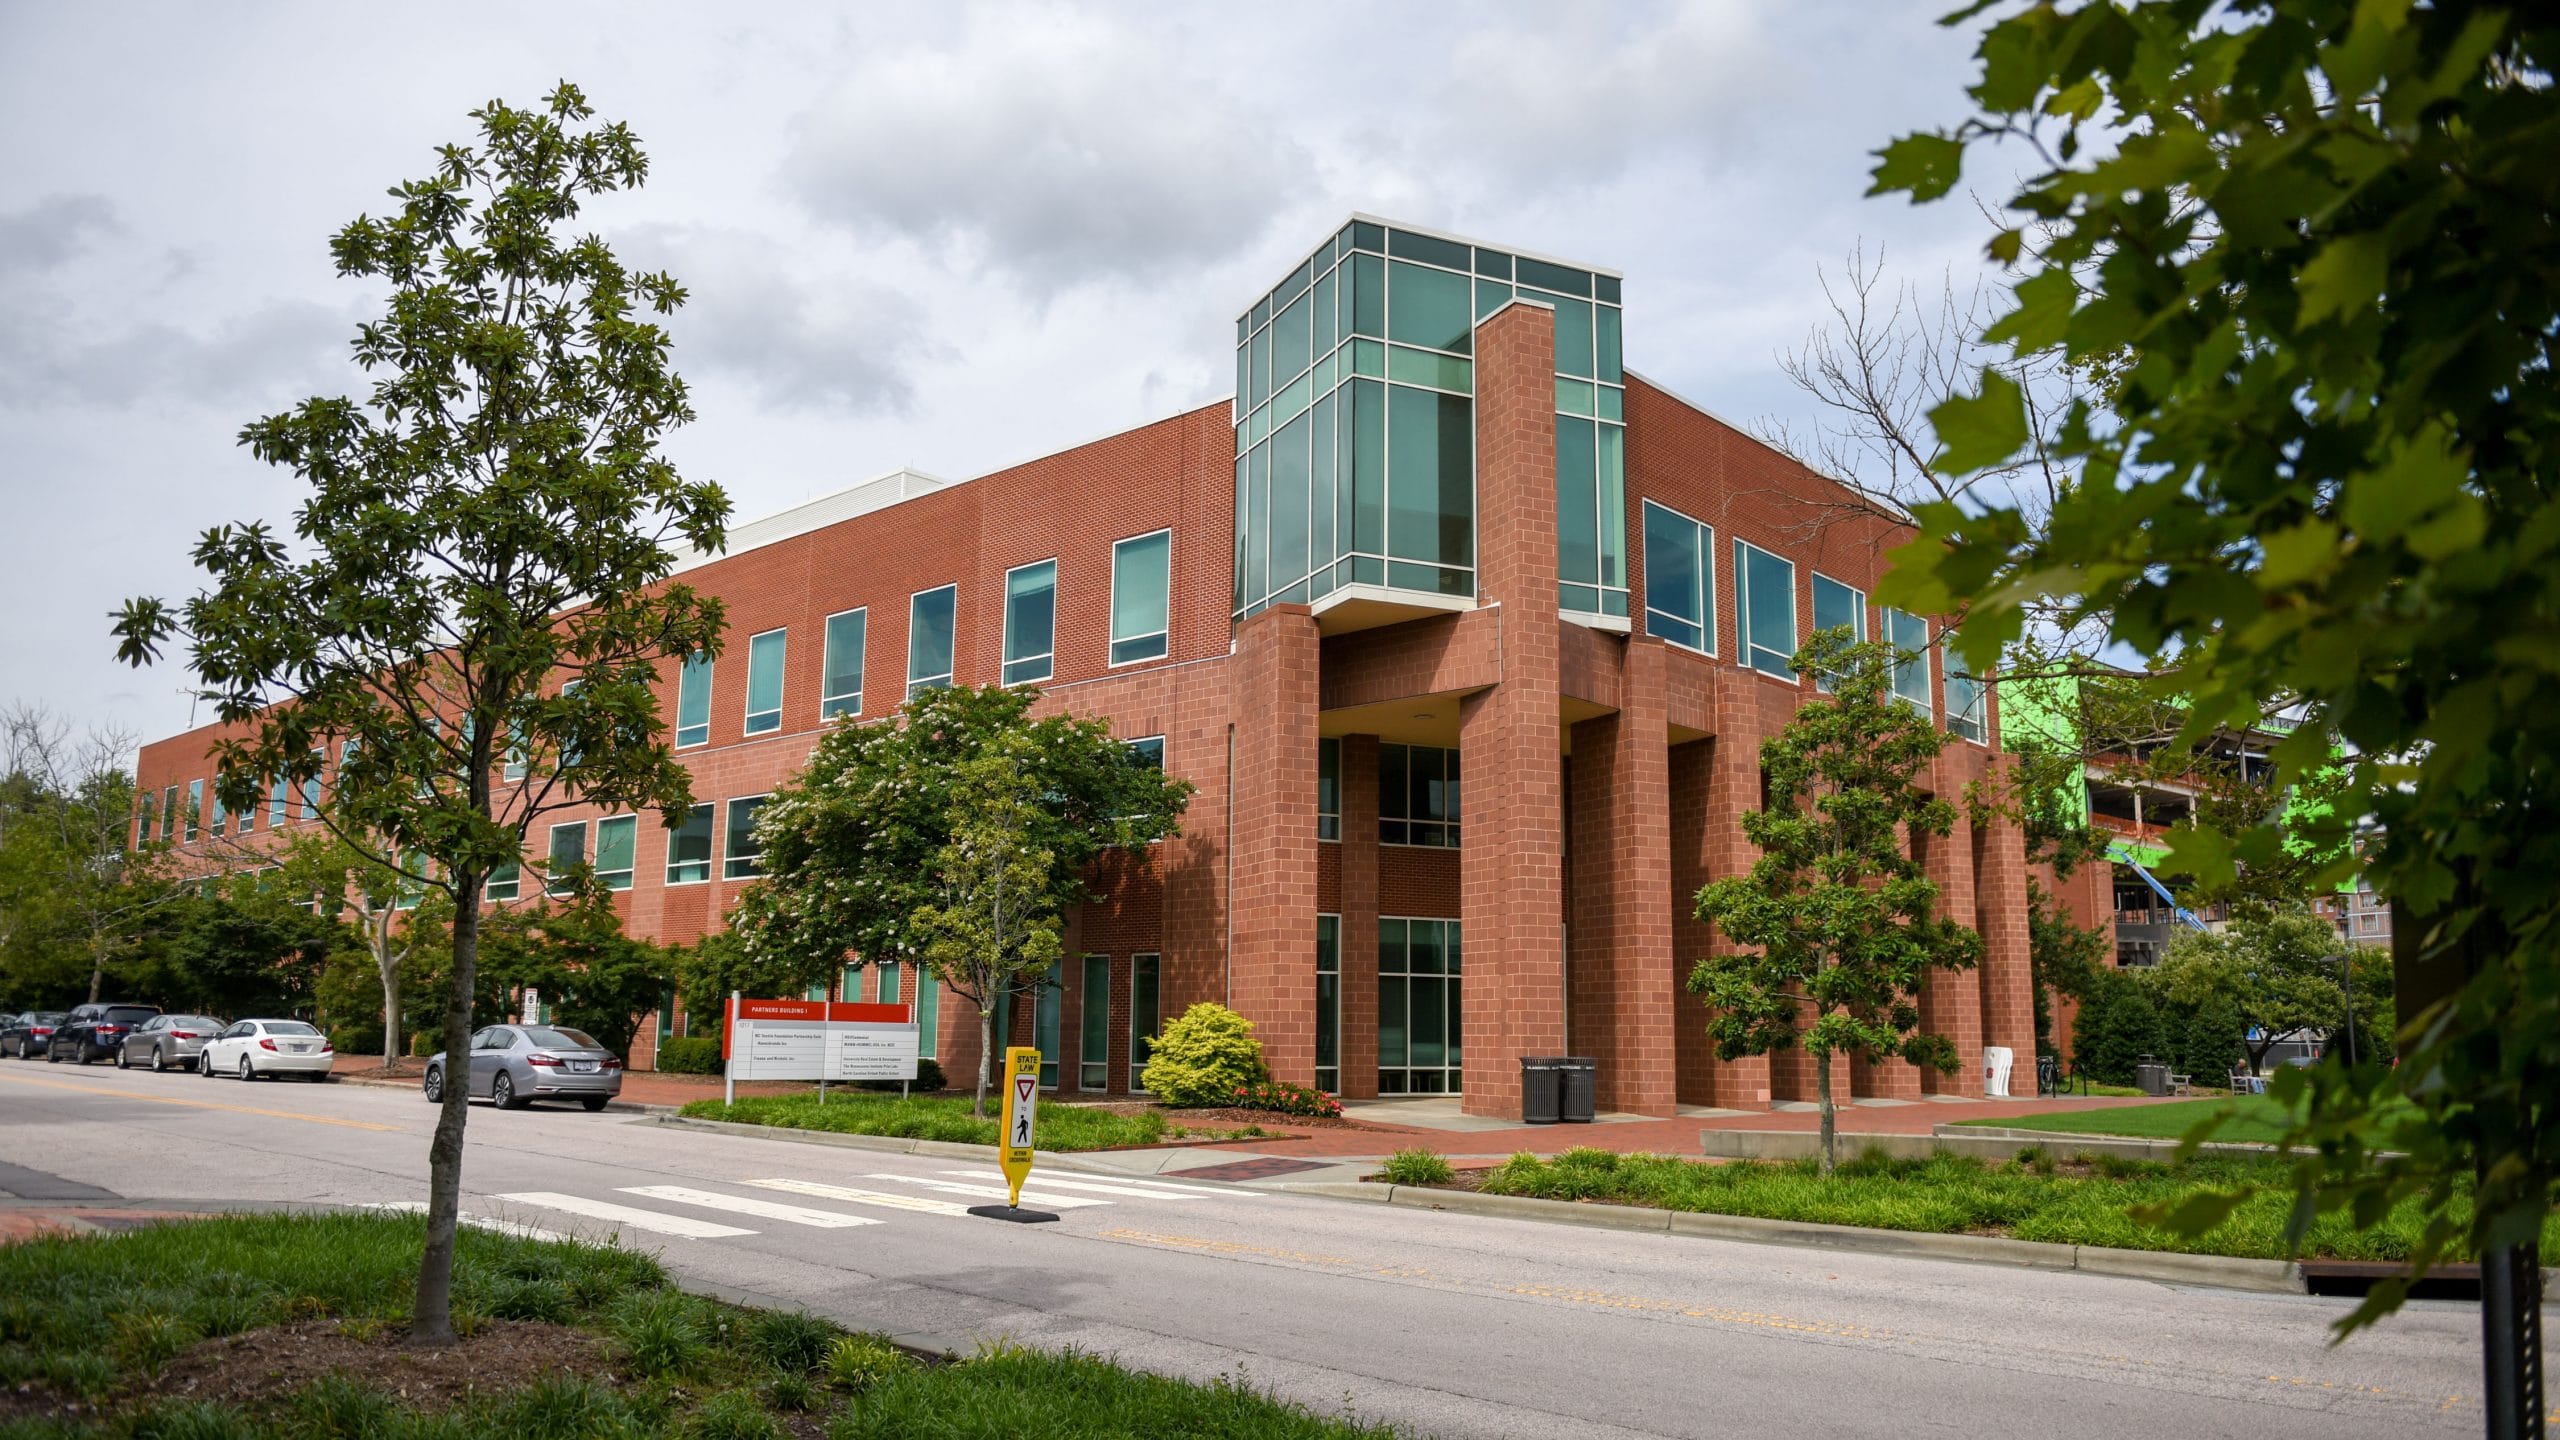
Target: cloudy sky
942,236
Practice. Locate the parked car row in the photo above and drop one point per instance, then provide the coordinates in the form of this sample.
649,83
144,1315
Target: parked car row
144,1035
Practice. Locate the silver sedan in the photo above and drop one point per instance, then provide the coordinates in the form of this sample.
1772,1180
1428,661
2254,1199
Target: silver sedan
167,1042
515,1065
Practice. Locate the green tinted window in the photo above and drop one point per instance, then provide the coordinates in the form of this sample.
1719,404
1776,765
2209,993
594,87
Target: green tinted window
693,702
1764,609
1429,307
764,681
689,848
1909,634
1093,1025
744,856
1368,295
1030,622
1291,350
617,841
1679,580
932,620
1141,597
1430,477
568,852
840,691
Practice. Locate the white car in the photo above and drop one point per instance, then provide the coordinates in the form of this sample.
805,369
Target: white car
254,1048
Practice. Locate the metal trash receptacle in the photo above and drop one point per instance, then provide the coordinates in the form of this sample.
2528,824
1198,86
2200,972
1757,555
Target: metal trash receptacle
2151,1077
1581,1089
1541,1089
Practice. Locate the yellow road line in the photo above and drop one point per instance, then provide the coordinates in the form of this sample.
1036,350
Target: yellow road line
196,1104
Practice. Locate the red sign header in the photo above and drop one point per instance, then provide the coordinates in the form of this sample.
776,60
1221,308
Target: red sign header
809,1012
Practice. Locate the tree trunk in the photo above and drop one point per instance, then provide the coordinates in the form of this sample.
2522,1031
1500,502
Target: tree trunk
986,1054
2258,1055
391,1036
431,1319
1830,1116
97,966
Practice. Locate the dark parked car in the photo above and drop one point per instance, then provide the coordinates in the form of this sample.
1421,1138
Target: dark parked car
30,1034
94,1032
167,1042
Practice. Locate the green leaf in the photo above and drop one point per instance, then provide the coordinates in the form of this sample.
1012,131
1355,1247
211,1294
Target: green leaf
2195,1214
1978,431
1926,165
2304,552
2345,276
2045,302
2423,473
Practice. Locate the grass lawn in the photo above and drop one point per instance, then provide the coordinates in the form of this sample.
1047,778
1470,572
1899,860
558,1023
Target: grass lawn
2252,1119
934,1117
250,1326
2059,1200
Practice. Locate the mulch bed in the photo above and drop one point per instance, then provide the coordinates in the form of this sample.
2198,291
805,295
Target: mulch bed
257,1369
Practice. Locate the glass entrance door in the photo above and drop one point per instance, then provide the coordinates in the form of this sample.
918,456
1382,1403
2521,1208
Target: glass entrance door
1329,1004
1418,1012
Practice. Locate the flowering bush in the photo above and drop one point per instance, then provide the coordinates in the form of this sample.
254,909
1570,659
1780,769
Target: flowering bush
1282,1098
1206,1054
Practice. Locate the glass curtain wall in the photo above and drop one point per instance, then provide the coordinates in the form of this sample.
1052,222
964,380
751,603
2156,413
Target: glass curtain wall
1355,421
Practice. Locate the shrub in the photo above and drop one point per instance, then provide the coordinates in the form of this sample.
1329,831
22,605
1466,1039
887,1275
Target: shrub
929,1081
1282,1098
1204,1057
689,1055
789,1340
2118,1025
424,1043
660,1332
859,1362
1417,1167
735,1415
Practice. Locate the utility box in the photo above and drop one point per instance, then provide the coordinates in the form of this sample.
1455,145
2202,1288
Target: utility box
1541,1089
1581,1088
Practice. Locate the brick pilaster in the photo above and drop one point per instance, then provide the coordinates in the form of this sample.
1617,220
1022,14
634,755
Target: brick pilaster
1360,916
1274,859
1512,892
1732,763
2005,981
1691,770
1951,1002
1624,994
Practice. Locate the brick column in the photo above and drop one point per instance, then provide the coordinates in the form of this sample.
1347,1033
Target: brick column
1951,1002
1624,990
1360,916
1733,787
1691,770
1274,945
2006,978
1512,905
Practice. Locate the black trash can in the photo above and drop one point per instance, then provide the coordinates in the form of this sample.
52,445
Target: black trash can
1541,1089
2151,1077
1581,1088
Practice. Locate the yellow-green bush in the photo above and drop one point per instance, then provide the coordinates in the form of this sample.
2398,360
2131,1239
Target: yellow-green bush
1205,1057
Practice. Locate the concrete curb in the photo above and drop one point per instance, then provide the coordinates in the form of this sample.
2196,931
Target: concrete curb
923,1344
2227,1272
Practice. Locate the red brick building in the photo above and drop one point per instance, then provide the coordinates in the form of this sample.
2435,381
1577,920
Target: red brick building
1441,534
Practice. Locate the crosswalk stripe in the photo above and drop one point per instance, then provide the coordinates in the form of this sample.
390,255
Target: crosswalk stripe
862,1197
650,1220
761,1209
517,1228
1102,1187
990,1192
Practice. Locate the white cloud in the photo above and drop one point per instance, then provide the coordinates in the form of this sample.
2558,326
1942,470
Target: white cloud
796,333
1058,146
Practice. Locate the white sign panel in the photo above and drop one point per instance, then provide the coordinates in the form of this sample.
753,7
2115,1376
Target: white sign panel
870,1050
791,1048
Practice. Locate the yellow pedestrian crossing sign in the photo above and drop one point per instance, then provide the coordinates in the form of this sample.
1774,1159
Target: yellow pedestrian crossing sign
1021,1104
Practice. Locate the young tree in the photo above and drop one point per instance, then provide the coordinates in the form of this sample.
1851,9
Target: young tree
343,877
574,952
1842,923
77,892
855,848
2318,233
2280,969
495,517
998,926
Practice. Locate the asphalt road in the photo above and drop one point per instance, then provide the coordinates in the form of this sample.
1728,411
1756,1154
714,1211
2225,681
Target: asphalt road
1452,1325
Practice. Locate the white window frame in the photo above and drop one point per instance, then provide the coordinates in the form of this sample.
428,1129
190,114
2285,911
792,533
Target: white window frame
630,877
1111,638
1706,578
551,849
781,701
1335,814
727,860
826,655
1857,628
1004,644
1927,701
1137,1070
1087,1066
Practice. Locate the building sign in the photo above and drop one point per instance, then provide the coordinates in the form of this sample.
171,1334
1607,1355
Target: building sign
819,1040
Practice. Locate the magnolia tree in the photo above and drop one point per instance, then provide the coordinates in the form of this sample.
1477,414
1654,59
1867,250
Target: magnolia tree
1839,924
492,520
957,834
2315,236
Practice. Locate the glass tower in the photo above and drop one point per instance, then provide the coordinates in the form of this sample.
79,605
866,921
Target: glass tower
1355,421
